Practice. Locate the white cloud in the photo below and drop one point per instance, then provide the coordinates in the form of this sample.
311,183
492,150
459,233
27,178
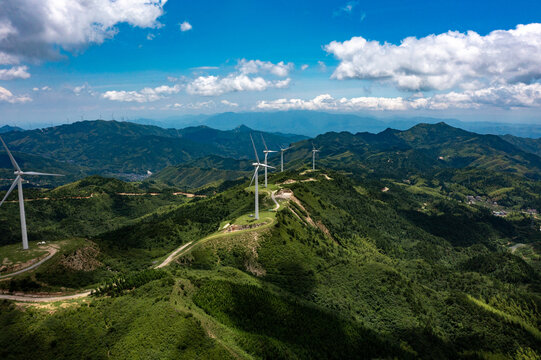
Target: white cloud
35,29
229,103
322,66
15,72
444,61
191,106
142,96
327,102
151,36
216,85
205,68
43,88
501,96
185,26
280,69
7,96
304,67
78,90
346,9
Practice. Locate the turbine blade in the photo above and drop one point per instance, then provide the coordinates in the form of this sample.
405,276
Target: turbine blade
255,151
253,177
264,143
15,165
10,190
38,173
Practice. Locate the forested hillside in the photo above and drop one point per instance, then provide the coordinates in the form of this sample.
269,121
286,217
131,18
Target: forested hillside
112,147
386,250
346,270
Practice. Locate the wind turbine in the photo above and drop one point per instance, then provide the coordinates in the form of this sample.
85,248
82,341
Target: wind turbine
282,150
257,164
314,151
267,152
19,182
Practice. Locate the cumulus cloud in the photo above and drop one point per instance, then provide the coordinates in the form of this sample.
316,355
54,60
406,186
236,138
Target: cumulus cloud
216,85
501,96
327,102
142,96
444,61
7,96
280,69
229,103
15,72
243,79
35,29
185,26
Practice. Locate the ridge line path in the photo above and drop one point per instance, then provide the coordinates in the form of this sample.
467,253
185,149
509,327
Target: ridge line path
274,199
39,298
167,261
171,256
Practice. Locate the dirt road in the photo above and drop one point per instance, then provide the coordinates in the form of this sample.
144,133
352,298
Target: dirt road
52,251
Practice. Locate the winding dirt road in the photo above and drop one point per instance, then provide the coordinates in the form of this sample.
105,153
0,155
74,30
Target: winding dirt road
275,201
52,251
172,256
167,261
38,298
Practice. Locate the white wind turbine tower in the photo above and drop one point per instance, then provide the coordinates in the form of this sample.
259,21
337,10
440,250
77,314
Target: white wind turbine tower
282,150
257,164
19,182
267,152
314,151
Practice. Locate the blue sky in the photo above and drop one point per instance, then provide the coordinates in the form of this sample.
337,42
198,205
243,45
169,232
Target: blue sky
131,58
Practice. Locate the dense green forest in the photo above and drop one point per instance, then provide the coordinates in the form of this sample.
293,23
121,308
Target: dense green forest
386,251
116,148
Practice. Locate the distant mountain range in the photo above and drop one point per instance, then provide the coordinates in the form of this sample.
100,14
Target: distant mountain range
7,128
197,156
313,123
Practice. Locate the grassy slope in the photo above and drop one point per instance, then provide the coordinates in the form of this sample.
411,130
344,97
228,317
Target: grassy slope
392,280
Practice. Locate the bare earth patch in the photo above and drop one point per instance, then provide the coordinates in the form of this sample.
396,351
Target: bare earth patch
83,259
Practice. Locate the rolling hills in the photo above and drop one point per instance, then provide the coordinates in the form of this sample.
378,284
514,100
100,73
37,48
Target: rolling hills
379,253
345,271
112,147
424,147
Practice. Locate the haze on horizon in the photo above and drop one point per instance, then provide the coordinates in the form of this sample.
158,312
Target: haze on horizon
63,61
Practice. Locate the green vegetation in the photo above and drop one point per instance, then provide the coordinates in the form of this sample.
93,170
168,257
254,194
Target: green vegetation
123,148
11,255
391,253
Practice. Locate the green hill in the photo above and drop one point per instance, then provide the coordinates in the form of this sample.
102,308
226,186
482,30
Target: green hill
527,144
211,170
344,271
112,147
424,147
385,251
